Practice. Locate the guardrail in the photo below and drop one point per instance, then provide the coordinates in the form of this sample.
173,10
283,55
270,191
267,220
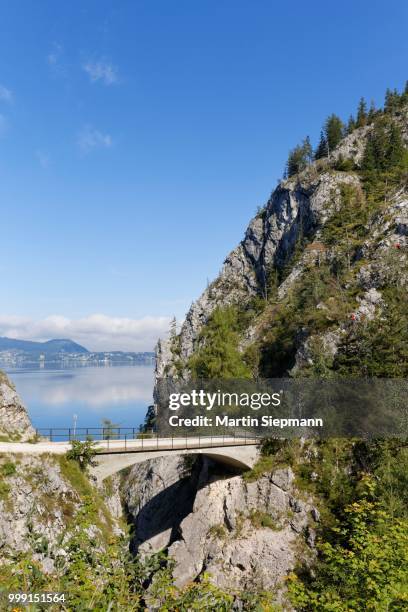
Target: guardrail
130,439
55,434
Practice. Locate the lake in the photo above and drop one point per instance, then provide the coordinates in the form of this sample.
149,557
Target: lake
53,397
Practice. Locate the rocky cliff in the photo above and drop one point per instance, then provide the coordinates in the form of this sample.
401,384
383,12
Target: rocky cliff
318,284
14,421
246,534
279,241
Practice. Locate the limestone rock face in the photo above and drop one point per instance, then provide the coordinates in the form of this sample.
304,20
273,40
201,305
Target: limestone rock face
158,494
244,534
14,421
38,506
31,509
297,205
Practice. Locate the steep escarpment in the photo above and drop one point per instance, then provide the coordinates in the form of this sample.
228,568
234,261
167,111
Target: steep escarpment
316,288
338,224
246,534
14,421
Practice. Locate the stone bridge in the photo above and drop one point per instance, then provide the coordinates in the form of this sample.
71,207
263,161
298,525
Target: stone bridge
116,455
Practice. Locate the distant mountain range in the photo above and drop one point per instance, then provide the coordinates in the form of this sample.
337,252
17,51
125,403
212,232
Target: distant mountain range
15,352
51,347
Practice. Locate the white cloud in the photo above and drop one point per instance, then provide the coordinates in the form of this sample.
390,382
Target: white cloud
89,138
101,71
97,332
5,94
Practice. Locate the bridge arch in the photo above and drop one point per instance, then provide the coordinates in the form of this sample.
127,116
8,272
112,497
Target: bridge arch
239,457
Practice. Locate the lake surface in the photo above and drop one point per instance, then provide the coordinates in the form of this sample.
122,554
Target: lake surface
53,397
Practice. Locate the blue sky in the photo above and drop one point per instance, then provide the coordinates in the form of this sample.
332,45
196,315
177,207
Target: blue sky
138,138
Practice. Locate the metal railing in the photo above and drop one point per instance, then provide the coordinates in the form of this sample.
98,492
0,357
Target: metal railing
55,434
130,439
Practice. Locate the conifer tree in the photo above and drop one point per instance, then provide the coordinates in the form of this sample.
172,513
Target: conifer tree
299,158
372,112
361,113
334,131
351,125
322,148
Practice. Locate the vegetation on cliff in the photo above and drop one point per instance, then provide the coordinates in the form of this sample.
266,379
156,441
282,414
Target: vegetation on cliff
313,317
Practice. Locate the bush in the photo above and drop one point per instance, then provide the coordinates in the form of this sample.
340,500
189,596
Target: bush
83,453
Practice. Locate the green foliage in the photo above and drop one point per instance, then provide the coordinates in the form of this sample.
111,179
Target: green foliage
347,226
83,453
361,113
365,567
218,355
333,131
345,164
318,286
299,158
218,531
385,161
8,468
351,125
378,348
149,424
263,519
322,148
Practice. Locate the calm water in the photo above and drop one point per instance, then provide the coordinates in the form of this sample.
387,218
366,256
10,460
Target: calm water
52,397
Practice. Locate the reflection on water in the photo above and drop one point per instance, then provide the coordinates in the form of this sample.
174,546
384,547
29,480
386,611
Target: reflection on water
53,397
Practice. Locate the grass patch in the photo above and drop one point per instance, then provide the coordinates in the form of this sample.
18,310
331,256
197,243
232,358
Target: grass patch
217,531
93,508
263,519
8,468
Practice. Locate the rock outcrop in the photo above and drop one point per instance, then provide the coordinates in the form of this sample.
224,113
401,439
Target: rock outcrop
246,535
14,421
298,205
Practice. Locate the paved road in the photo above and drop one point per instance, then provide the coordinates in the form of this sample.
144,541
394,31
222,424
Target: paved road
138,445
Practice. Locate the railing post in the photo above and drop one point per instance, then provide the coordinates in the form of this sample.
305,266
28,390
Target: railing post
50,435
125,441
142,439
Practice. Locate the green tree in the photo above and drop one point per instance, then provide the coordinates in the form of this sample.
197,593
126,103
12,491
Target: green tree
149,420
322,149
392,101
372,112
299,158
83,453
378,348
364,566
361,113
351,124
218,355
334,131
